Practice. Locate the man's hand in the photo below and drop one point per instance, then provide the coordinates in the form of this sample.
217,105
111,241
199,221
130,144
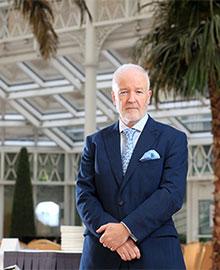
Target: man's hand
129,251
114,235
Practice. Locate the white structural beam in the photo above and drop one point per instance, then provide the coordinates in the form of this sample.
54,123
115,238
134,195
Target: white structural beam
31,74
20,108
22,55
57,139
124,20
179,125
104,84
179,112
204,138
63,136
2,94
56,116
104,77
71,122
22,87
66,73
4,86
78,74
44,84
65,115
30,108
33,55
111,58
7,123
181,104
41,92
91,64
106,101
2,207
61,100
108,112
12,117
78,147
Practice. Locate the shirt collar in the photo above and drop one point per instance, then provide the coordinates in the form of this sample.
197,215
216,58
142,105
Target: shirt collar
139,126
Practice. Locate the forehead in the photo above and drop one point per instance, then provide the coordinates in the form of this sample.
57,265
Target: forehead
132,77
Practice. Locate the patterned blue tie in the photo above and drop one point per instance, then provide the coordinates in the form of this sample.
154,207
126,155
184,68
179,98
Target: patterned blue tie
128,148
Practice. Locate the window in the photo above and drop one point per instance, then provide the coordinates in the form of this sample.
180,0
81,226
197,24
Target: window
205,218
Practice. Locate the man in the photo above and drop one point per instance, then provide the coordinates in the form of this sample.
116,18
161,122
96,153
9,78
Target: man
131,181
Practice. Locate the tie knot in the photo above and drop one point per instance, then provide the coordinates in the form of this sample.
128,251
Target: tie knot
129,133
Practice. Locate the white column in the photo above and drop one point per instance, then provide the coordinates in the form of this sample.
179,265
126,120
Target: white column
128,6
1,195
1,210
67,198
192,211
90,71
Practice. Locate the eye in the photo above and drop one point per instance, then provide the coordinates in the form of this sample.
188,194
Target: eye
123,92
139,91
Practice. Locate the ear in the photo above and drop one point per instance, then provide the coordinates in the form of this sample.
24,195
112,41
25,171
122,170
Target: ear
149,96
113,97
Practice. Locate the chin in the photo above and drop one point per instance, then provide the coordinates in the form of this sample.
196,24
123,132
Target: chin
131,120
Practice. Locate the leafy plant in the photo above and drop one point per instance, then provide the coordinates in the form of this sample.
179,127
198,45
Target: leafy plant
39,14
182,54
22,222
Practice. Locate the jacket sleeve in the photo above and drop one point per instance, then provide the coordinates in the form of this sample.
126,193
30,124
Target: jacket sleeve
88,205
152,213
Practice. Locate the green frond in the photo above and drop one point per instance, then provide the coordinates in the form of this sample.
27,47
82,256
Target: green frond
83,9
40,16
182,49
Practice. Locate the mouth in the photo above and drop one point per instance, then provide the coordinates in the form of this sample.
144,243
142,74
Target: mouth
131,108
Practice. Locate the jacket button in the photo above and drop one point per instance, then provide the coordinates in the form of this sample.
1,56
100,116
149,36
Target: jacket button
120,203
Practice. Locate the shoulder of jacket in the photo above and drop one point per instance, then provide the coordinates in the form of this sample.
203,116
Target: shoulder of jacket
165,128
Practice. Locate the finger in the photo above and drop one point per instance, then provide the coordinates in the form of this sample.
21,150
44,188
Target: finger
112,249
132,253
114,245
137,252
102,228
123,257
127,255
103,239
130,250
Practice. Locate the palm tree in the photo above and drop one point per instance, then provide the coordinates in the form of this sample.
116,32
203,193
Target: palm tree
40,16
182,53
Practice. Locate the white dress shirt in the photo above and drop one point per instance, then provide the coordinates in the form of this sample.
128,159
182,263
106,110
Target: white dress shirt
139,126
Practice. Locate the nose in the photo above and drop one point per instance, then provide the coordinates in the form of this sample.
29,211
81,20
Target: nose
131,97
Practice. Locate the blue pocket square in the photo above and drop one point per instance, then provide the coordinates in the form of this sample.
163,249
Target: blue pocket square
150,155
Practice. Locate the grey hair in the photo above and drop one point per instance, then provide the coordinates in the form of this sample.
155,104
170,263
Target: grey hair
125,67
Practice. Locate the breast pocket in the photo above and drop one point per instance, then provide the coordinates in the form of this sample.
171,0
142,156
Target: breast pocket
152,168
151,162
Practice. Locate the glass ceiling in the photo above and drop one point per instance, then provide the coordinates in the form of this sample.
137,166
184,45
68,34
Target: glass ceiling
42,103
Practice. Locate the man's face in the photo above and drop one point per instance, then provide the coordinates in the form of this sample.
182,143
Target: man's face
132,96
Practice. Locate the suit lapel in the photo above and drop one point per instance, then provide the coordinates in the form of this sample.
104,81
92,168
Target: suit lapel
145,143
111,139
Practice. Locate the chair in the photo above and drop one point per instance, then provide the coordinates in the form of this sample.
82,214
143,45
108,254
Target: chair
43,244
193,255
206,262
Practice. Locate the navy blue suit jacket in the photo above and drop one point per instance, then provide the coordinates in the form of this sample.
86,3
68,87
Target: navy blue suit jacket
144,199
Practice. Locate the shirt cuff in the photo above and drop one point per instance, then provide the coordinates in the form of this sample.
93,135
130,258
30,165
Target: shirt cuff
131,234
